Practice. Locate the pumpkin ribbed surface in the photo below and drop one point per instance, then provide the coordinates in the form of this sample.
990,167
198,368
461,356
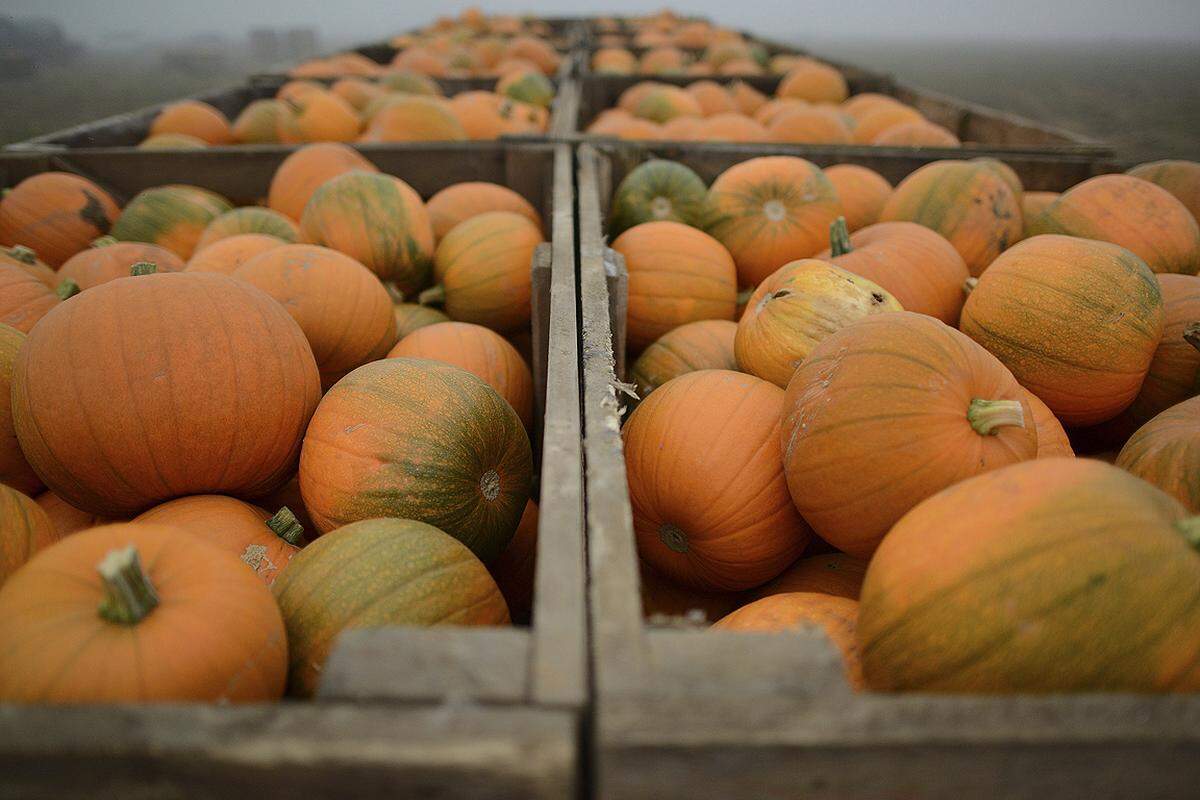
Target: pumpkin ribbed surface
173,217
248,220
107,260
462,201
56,214
862,192
659,190
1052,438
1166,452
24,298
707,344
226,255
1180,178
24,530
14,469
304,171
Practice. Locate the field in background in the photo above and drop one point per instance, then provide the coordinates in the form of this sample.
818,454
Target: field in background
1144,98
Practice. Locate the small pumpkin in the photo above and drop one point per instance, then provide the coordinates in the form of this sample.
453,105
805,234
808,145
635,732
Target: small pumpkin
915,398
107,259
1166,452
814,82
307,169
919,133
173,217
812,125
707,344
479,113
730,128
1032,206
409,82
356,91
461,201
136,613
24,530
712,97
480,351
794,309
659,190
1180,178
413,316
172,141
415,119
56,214
318,116
747,99
250,219
226,255
711,511
664,103
527,86
25,299
258,123
835,574
514,569
1077,322
874,120
193,118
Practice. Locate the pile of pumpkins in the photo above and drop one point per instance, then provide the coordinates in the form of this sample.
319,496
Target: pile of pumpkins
860,405
225,438
402,106
812,105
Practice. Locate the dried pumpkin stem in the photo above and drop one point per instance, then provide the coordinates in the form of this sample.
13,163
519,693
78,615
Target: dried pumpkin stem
67,289
143,268
104,241
839,238
1191,335
287,527
128,594
23,254
987,416
434,296
969,285
673,537
1190,528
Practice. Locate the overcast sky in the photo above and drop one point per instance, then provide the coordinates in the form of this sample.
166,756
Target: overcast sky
95,21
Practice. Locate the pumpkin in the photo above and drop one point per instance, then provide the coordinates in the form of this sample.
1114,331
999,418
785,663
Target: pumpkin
712,98
1052,438
809,126
412,317
461,201
918,133
193,118
876,120
835,574
528,87
409,82
1096,576
659,190
172,141
356,91
482,352
663,103
137,613
767,112
1076,321
1132,213
523,118
479,114
226,255
1006,174
863,193
966,202
710,503
1032,206
294,90
814,82
535,51
258,123
747,99
1166,451
918,267
614,61
707,344
318,116
264,542
374,573
415,119
14,469
770,211
864,103
794,309
484,269
677,275
665,602
836,617
173,217
107,259
378,220
55,214
341,306
731,128
65,517
662,61
25,259
1180,178
916,399
24,530
639,129
250,219
173,401
418,439
514,569
304,171
25,299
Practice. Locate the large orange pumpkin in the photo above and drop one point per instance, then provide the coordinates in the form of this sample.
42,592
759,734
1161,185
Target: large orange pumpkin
378,220
1132,213
834,574
25,298
710,504
415,119
461,201
304,171
918,267
514,569
1180,178
205,386
341,306
794,309
707,344
193,118
920,402
136,613
1055,575
1076,321
264,542
677,274
14,469
318,116
173,217
964,201
56,214
1166,452
484,271
251,219
770,211
863,193
226,255
24,530
480,351
1052,438
107,259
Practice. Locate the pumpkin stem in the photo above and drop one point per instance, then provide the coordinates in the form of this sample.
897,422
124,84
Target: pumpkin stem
1191,335
104,241
143,268
67,289
969,285
128,594
1190,528
673,537
986,416
287,527
839,238
22,253
434,296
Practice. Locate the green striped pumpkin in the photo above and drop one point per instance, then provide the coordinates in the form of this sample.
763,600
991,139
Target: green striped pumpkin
411,317
259,122
1166,452
659,190
251,219
528,87
172,216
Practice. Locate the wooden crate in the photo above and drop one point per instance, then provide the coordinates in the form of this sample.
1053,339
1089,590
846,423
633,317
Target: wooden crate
431,712
707,714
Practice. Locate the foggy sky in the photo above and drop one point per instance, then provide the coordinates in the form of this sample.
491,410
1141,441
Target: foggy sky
96,22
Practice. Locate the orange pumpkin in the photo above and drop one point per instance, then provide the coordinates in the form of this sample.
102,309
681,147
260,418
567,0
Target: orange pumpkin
919,401
56,214
25,259
876,120
415,119
664,103
1166,452
250,219
480,351
1132,213
614,61
730,128
14,469
1180,178
172,401
25,299
862,104
795,308
318,116
863,193
809,126
921,133
1052,439
137,613
226,255
1076,321
258,123
712,97
710,504
263,542
767,112
107,259
193,118
304,171
461,201
356,91
173,217
662,61
479,114
1032,206
814,82
65,517
411,317
966,202
707,344
835,574
24,530
378,220
535,51
746,98
513,570
341,306
770,211
677,274
918,267
294,90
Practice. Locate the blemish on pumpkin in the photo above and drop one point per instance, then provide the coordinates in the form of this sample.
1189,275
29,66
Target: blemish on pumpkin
673,537
93,213
255,555
877,297
354,427
489,485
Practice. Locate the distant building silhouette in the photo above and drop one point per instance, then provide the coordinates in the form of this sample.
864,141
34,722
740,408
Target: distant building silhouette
32,42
